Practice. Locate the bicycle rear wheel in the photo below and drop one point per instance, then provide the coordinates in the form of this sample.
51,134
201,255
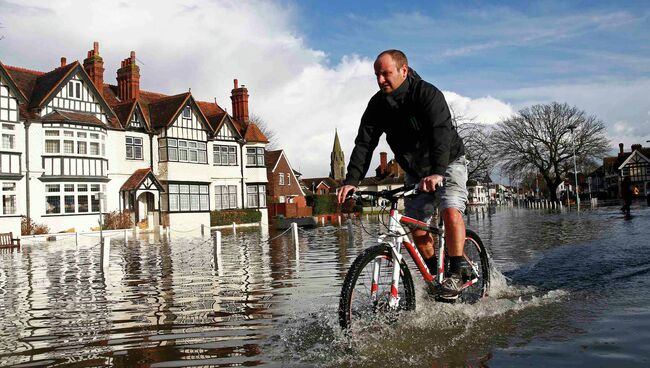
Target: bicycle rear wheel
477,257
362,302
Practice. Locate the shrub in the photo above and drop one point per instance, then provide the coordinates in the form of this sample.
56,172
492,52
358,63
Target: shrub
29,227
238,216
323,204
117,220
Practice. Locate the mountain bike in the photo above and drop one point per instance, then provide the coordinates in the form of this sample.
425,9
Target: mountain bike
379,285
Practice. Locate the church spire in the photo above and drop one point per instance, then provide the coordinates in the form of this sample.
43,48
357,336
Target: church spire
337,160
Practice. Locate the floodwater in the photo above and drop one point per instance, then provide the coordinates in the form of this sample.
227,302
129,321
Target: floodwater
569,289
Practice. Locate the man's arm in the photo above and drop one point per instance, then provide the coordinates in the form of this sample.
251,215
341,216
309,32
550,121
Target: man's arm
439,118
364,145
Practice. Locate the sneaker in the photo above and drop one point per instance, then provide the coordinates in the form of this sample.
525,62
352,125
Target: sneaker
451,287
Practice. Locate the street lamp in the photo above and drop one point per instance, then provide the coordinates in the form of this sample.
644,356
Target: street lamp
575,166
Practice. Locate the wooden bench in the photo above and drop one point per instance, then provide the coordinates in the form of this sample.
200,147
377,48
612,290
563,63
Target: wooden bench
7,240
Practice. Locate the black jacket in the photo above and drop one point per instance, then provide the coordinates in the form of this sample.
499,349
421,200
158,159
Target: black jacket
418,127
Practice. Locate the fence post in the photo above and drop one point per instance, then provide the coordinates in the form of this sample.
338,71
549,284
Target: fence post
216,242
322,221
234,228
338,219
105,253
76,239
294,234
202,231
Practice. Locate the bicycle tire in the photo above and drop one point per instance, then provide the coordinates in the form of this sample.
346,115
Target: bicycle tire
475,252
355,307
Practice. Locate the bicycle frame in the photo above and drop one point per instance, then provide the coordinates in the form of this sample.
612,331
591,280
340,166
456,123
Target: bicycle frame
398,237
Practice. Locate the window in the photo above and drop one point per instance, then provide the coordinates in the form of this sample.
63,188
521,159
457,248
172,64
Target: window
225,196
256,195
94,148
188,197
75,198
74,89
69,142
255,156
52,146
68,147
288,179
225,155
187,112
172,149
281,176
8,106
136,121
8,198
134,148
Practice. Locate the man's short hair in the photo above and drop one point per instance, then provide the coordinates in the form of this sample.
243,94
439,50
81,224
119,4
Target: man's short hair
398,56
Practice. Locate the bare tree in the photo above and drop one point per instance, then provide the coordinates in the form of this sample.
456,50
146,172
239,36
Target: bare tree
268,132
541,138
476,138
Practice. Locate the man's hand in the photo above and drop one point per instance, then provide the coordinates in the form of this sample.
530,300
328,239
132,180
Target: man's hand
344,190
431,182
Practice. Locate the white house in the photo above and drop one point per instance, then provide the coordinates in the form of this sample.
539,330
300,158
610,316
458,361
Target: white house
67,136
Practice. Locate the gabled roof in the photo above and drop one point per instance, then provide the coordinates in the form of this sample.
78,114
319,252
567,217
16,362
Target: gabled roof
12,85
272,158
125,110
629,157
39,87
254,134
331,183
137,178
72,117
164,111
47,83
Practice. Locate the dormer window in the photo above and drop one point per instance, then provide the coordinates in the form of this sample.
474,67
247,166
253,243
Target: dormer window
74,89
187,112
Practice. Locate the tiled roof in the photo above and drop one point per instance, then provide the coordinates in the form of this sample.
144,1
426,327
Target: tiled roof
25,79
163,110
46,83
134,181
254,134
213,113
73,117
123,111
271,158
307,183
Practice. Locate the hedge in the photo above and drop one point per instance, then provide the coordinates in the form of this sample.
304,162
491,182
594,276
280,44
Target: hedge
238,216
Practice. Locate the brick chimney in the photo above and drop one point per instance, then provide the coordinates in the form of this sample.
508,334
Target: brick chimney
94,67
620,149
383,162
239,97
636,147
128,79
64,62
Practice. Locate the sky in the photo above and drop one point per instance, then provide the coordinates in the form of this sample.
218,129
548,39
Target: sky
308,64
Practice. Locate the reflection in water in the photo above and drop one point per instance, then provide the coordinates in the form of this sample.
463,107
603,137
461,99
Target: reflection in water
168,302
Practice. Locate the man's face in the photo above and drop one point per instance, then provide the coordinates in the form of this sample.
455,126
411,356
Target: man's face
389,77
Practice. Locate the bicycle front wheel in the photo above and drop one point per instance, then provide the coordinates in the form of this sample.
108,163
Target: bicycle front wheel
366,301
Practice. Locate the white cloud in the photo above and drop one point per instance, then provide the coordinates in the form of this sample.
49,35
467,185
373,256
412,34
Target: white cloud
486,110
203,45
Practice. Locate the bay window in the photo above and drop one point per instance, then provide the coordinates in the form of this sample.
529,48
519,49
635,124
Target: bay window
182,150
74,199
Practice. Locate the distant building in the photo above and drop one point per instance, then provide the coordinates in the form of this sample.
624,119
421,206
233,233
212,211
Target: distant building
337,160
634,164
284,189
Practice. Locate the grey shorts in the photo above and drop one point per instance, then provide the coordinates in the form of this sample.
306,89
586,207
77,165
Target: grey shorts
452,195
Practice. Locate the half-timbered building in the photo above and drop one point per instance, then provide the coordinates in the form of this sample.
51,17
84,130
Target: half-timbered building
67,137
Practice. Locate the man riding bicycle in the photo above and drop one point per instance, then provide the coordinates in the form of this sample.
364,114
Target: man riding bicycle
417,122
